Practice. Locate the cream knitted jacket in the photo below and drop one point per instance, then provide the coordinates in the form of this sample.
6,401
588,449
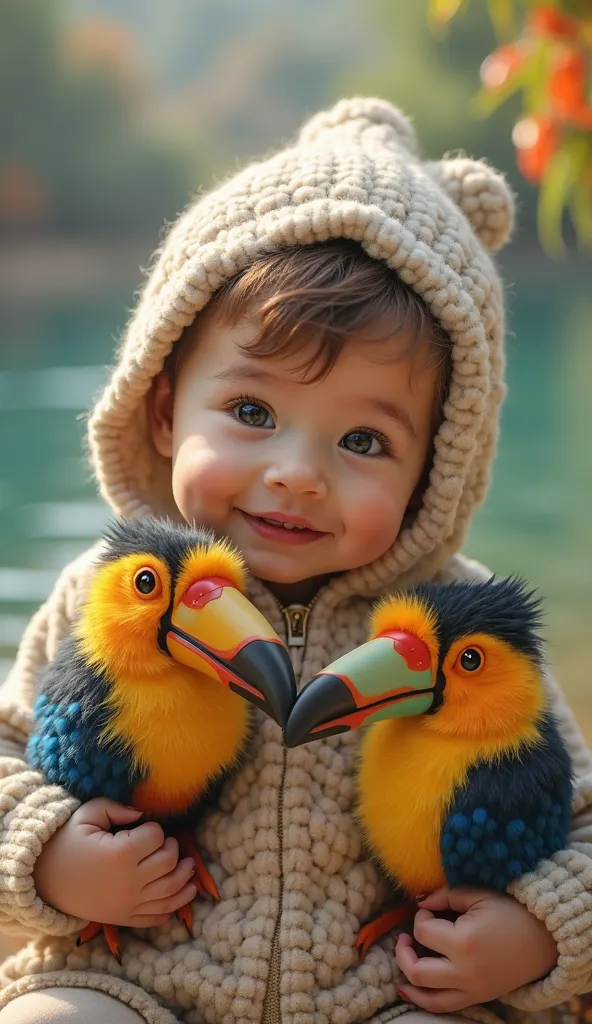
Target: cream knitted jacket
283,845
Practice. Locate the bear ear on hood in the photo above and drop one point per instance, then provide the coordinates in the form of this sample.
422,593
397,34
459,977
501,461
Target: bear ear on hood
482,194
360,113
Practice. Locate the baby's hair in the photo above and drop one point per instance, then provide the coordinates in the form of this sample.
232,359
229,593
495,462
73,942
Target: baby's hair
315,299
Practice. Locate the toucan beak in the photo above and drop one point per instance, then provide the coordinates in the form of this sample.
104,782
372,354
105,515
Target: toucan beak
216,630
390,676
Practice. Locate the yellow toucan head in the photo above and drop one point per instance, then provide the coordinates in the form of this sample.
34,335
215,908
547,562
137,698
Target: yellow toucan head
465,656
166,591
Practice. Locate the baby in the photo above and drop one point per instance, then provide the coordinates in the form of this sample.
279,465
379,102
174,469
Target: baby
315,369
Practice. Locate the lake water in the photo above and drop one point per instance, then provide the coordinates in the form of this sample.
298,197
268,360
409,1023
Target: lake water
536,521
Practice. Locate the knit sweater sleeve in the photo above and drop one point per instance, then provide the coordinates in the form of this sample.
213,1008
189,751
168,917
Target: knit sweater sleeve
30,810
559,892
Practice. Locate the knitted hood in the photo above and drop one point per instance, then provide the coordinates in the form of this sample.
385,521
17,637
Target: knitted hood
353,172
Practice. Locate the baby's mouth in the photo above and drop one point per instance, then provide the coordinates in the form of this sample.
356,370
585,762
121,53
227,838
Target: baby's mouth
284,525
295,528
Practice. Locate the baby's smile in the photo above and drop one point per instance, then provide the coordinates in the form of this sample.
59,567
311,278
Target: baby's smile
281,528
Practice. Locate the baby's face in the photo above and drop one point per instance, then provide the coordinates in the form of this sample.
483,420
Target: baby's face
306,479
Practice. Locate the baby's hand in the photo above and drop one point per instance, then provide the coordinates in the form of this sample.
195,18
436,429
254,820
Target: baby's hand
495,946
131,878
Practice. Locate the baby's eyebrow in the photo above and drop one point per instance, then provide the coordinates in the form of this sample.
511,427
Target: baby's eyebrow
245,371
393,411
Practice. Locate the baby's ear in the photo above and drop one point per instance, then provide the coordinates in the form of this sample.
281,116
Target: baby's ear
482,194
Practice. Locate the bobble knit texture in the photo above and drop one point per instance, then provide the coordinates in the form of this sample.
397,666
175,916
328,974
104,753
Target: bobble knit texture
283,845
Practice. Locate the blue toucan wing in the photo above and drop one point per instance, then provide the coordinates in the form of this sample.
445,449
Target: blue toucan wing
509,815
66,745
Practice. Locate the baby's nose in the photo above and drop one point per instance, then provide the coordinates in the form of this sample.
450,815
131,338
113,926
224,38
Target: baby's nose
296,476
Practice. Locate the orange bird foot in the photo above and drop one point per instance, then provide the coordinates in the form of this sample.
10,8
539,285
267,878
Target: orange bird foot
206,885
185,916
374,930
110,932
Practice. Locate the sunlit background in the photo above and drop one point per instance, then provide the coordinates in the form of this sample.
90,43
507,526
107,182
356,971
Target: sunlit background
112,114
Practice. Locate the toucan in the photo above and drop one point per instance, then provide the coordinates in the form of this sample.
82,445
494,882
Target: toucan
462,778
148,699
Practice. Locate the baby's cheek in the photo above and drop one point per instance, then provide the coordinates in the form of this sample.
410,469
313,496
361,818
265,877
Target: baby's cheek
373,519
203,483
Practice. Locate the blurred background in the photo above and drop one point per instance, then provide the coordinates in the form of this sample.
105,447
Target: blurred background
113,114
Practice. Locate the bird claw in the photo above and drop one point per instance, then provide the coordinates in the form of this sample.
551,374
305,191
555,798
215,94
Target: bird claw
110,933
204,882
185,916
89,933
363,943
374,930
206,885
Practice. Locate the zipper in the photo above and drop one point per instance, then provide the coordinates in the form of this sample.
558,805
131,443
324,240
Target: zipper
296,617
271,1003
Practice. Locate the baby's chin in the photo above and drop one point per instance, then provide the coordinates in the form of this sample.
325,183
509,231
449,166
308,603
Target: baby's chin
291,571
272,573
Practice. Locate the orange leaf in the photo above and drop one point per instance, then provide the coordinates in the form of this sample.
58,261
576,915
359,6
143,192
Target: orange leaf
549,22
567,82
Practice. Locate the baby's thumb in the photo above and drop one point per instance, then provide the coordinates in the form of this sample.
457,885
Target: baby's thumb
103,813
457,900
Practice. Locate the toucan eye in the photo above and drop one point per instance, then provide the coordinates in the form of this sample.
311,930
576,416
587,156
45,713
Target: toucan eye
471,659
147,583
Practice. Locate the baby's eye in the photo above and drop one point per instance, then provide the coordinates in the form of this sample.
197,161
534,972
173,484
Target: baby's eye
365,442
253,414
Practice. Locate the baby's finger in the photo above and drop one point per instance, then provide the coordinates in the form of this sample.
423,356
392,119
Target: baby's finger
160,863
439,899
424,971
459,900
101,813
435,1000
168,885
170,903
141,841
434,932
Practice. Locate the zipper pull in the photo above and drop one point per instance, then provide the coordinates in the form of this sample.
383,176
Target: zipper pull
296,616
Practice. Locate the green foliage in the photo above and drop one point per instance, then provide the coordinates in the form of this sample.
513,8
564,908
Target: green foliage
546,59
564,185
